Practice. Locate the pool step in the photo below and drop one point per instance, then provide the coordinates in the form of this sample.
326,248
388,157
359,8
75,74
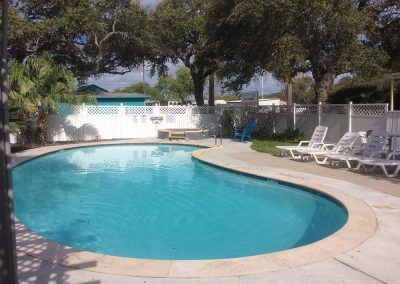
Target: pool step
177,135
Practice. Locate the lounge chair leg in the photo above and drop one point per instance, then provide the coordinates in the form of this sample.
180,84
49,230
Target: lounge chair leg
319,162
394,174
304,157
294,156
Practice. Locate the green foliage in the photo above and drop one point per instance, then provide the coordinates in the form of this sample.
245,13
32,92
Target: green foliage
179,87
179,35
228,97
140,88
288,58
303,90
373,91
89,37
36,89
243,33
237,118
386,31
293,136
266,143
330,36
268,146
38,86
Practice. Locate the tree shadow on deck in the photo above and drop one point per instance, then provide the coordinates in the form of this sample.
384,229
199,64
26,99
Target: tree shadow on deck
42,261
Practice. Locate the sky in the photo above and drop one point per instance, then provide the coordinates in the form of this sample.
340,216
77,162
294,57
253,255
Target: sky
149,3
111,82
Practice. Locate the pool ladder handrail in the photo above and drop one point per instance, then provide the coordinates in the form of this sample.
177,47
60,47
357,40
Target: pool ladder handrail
215,136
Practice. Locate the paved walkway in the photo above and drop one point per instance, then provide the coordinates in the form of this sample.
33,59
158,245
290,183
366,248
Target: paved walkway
377,260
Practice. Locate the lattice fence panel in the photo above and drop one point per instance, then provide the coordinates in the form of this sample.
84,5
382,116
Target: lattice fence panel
102,110
306,109
306,118
134,110
334,109
172,110
65,110
107,122
137,110
369,109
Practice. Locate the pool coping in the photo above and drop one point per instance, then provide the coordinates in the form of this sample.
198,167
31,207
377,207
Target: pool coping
360,226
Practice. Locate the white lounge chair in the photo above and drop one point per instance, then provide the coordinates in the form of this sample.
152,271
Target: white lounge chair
383,164
389,166
345,144
316,142
375,148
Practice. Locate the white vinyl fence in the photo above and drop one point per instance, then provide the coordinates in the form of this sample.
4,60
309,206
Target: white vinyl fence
118,122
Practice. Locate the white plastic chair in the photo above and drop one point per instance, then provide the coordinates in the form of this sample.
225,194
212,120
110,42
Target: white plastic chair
383,164
346,143
316,142
375,148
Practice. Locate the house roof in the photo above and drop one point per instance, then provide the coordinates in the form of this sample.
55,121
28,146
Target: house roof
121,96
91,89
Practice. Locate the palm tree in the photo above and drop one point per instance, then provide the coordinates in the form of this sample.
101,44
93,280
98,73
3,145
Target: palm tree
37,87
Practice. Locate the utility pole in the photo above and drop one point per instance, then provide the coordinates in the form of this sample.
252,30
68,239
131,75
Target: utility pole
143,79
8,263
211,90
262,85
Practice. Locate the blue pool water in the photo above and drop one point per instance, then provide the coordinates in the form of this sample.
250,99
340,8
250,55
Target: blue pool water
156,201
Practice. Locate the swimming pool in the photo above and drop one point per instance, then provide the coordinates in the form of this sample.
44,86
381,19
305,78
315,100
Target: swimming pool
157,202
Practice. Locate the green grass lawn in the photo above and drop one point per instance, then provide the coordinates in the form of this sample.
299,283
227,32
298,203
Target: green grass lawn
268,146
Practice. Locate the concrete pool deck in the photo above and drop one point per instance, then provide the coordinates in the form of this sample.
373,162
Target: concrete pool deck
375,260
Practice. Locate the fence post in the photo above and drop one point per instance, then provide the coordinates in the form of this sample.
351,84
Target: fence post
156,110
83,110
350,114
294,116
121,109
274,119
319,113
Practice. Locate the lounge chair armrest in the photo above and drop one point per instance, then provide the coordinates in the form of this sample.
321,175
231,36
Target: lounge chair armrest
379,154
393,155
302,142
317,145
349,150
354,150
328,146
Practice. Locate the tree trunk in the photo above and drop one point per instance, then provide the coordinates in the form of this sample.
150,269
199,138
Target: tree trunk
8,263
198,83
211,91
41,130
323,83
289,92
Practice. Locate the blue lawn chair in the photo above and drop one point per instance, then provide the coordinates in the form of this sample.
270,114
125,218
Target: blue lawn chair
244,134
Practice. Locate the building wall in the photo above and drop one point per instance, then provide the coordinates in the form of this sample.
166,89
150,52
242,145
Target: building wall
119,101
